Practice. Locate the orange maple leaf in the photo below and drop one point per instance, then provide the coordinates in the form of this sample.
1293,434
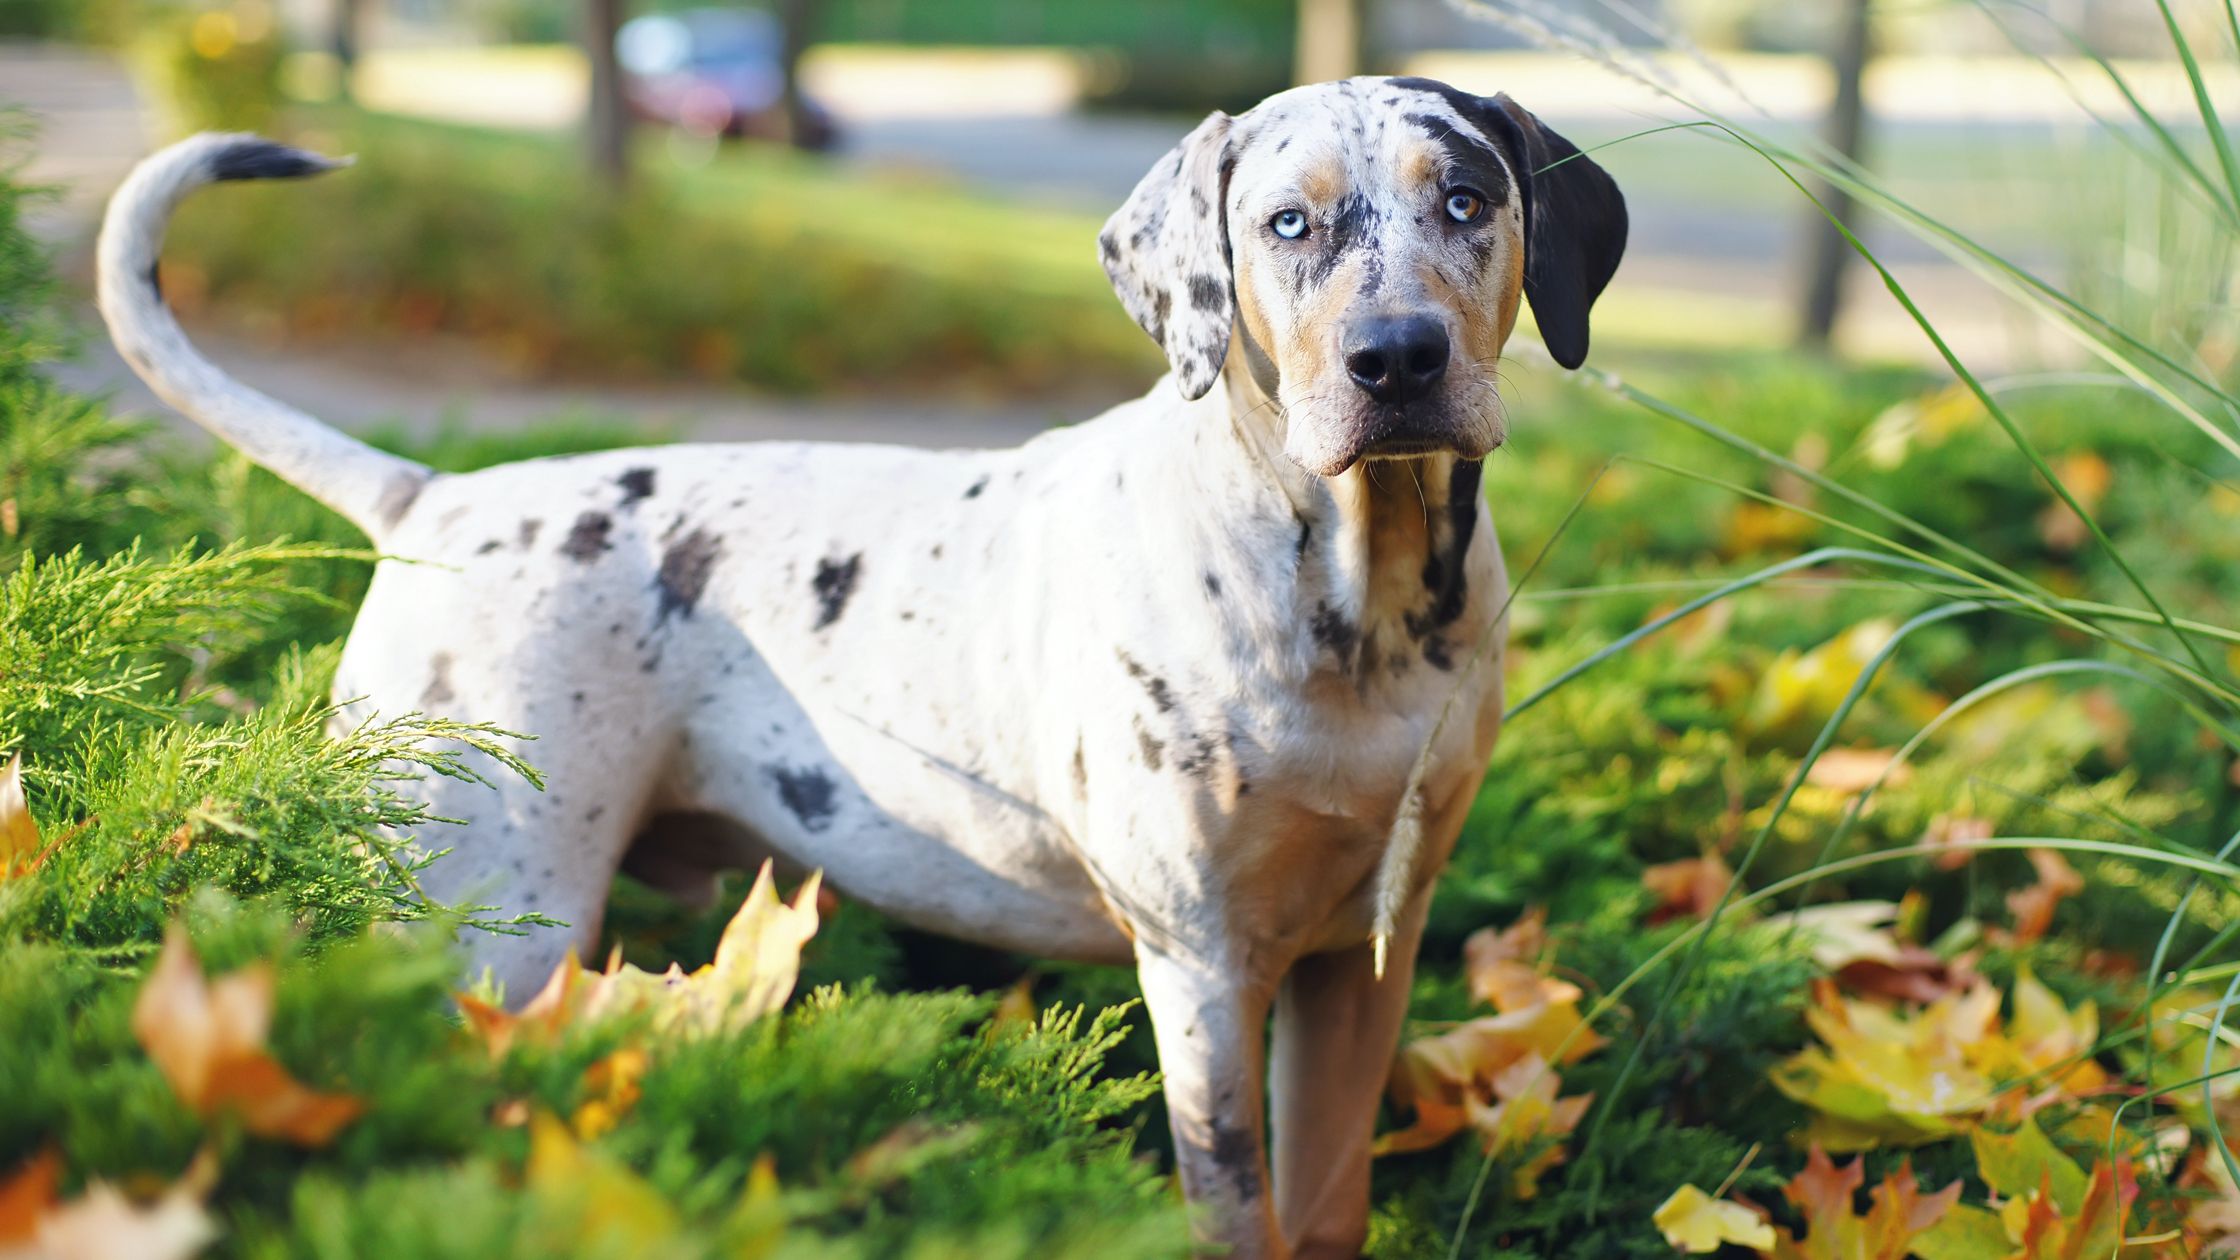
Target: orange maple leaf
1688,888
2033,906
208,1039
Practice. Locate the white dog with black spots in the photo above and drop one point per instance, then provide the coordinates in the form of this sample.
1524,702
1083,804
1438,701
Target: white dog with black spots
1147,690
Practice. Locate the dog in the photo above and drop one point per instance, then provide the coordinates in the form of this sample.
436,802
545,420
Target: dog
1170,688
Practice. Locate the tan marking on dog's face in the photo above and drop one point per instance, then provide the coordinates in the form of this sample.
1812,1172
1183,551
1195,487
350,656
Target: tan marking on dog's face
1371,164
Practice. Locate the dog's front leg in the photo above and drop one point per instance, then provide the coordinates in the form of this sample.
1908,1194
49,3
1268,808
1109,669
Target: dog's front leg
1336,1027
1209,1016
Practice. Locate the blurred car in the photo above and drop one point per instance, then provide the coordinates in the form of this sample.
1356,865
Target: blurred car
714,72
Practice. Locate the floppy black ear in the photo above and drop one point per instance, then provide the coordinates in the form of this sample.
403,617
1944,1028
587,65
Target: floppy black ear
1574,228
1167,251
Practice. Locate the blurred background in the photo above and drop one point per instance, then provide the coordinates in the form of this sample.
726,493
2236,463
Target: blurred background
874,218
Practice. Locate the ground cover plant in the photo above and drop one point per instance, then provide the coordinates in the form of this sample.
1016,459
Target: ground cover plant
1881,907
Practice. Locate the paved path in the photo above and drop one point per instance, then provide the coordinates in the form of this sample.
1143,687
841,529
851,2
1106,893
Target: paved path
441,385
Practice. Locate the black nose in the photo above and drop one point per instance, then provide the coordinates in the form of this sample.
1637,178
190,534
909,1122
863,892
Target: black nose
1396,358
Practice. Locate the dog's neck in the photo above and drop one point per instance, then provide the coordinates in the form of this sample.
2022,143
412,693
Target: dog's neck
1382,547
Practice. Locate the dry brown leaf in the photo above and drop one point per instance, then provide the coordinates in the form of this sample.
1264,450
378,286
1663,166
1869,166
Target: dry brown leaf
2088,477
1525,1108
756,963
1688,888
25,1197
1469,1076
102,1224
2033,906
1953,835
1851,771
208,1040
1492,958
19,833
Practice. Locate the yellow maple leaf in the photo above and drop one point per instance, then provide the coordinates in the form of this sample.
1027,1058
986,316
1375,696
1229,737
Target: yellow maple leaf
1524,1108
608,1207
612,1084
1801,687
1493,1072
757,962
1879,1077
1695,1222
208,1039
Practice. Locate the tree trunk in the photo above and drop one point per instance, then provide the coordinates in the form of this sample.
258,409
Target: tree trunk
798,20
1827,253
608,124
1329,40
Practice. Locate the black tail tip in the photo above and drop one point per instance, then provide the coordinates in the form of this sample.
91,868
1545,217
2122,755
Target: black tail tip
253,157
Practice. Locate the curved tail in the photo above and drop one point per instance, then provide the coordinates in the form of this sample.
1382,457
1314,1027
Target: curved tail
372,488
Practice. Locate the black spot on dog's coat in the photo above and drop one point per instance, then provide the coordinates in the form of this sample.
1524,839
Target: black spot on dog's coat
1209,293
807,793
684,573
1213,585
588,537
1154,686
1331,630
834,583
1237,1154
973,491
263,159
1154,752
637,484
528,533
439,690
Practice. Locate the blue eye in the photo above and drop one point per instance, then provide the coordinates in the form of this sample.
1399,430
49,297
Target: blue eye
1464,205
1289,224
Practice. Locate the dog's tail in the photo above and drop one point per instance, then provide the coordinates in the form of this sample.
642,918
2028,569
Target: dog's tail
371,488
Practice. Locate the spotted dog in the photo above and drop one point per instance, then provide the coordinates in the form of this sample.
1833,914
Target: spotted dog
1149,690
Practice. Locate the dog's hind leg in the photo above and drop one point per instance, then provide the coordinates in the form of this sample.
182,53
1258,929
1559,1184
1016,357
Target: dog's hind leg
1335,1028
521,850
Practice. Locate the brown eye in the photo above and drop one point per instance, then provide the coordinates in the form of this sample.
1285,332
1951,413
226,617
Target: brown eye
1464,205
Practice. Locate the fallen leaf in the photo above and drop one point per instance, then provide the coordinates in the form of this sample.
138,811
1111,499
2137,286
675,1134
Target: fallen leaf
1695,1222
1850,771
1016,1008
612,1086
757,962
1897,1214
1688,888
2087,477
19,833
1953,835
1882,1078
1455,1080
609,1208
1806,687
102,1224
26,1195
2033,906
1524,1108
208,1040
1493,957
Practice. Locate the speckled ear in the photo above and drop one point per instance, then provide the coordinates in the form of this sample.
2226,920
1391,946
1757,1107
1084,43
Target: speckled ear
1167,251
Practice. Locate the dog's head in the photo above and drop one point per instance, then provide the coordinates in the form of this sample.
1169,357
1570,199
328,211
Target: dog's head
1366,243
